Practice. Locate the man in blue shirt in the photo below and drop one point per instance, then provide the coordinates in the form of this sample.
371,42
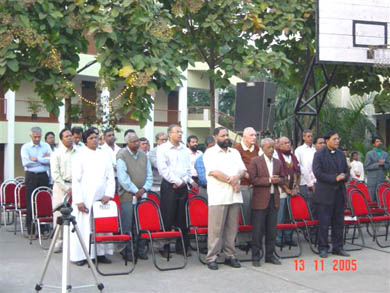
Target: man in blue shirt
201,170
135,178
35,157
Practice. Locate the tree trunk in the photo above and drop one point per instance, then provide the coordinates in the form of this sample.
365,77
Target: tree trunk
212,105
68,108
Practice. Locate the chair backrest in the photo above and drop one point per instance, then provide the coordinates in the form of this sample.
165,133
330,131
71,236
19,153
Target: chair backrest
105,217
8,192
379,192
350,187
358,204
386,201
148,216
19,179
363,188
198,212
20,195
298,208
42,202
117,200
384,194
154,196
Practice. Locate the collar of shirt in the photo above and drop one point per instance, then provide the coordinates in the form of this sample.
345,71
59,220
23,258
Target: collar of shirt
64,149
268,160
33,145
219,149
171,146
245,148
307,146
135,156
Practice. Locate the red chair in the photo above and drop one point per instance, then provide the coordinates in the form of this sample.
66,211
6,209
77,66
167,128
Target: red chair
379,193
197,220
150,227
363,188
154,196
106,220
20,204
361,210
300,215
7,199
42,210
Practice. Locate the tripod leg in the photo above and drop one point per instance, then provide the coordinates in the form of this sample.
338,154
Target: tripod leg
91,265
38,286
65,284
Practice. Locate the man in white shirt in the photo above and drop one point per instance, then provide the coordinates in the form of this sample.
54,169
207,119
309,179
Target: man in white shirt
305,155
173,163
357,168
192,146
224,169
61,172
161,138
112,150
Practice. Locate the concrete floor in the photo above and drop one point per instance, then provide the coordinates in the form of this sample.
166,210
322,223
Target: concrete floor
21,265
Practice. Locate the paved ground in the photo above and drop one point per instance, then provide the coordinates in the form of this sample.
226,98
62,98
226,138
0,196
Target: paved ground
21,263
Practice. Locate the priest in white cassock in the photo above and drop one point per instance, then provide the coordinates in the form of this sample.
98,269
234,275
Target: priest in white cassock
92,180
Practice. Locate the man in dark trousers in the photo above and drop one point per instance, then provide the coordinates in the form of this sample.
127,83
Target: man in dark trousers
331,171
266,175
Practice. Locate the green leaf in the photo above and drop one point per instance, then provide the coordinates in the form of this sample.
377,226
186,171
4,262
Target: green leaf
13,65
138,62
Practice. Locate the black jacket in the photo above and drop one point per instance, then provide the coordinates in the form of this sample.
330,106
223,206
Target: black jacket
326,167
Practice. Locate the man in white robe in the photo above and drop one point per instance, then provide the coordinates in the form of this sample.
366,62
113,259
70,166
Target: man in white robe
92,180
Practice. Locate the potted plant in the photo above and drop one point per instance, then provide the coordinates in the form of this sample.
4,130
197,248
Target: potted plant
34,107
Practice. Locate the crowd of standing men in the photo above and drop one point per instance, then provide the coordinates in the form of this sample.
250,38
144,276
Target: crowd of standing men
259,178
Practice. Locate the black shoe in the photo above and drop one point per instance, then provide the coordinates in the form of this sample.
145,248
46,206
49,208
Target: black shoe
256,263
143,256
103,259
273,260
244,247
323,253
233,262
164,253
291,243
212,265
129,257
81,262
341,252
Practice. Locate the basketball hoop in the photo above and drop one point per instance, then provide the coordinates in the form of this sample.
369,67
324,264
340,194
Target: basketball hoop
380,56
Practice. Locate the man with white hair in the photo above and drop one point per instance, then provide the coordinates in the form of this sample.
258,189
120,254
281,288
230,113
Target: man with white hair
248,149
36,162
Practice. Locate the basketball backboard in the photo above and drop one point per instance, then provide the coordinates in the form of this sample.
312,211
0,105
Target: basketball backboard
348,30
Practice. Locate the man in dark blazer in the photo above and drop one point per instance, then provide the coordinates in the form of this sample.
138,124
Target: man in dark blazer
266,175
331,171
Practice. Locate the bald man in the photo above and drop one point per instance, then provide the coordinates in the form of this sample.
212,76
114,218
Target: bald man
292,172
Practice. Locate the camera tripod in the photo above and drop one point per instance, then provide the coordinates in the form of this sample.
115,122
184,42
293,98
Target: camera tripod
64,222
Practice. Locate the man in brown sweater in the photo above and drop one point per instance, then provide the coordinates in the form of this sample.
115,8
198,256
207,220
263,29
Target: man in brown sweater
248,149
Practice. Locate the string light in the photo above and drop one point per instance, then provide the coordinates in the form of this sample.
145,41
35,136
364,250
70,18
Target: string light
131,81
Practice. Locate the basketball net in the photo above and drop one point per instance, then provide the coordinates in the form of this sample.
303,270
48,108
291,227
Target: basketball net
380,56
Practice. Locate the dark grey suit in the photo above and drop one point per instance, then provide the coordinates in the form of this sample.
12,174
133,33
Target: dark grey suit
375,172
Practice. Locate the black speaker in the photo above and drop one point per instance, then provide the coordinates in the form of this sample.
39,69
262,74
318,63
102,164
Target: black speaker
255,106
